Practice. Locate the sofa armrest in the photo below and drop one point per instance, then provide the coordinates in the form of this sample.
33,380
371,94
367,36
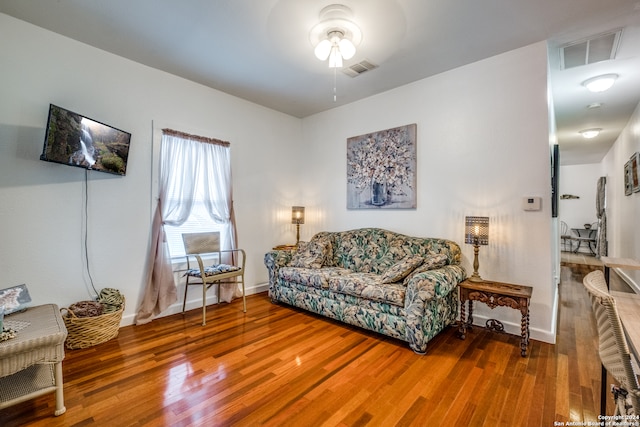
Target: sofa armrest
275,259
433,284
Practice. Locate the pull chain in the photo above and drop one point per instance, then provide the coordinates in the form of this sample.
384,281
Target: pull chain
335,93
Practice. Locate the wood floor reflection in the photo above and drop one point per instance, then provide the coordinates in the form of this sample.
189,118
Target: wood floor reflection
277,366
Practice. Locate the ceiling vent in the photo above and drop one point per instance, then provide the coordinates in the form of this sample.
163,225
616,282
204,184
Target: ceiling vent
359,68
601,47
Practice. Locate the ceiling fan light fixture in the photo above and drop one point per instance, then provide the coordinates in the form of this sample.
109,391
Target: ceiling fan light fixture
323,49
335,47
347,49
590,133
600,83
336,36
335,58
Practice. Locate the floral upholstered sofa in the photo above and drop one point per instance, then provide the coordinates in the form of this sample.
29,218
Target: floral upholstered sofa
397,285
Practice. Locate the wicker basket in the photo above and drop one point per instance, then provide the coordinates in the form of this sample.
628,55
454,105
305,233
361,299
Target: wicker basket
85,332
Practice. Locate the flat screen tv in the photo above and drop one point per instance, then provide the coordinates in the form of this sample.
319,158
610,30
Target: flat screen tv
76,140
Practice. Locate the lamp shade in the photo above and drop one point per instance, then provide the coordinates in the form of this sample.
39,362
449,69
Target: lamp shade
323,49
297,215
347,49
476,230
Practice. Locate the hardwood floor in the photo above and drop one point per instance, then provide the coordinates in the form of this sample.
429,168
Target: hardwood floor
278,366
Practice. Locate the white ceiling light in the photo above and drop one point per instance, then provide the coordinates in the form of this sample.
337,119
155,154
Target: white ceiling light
590,133
600,83
335,47
336,36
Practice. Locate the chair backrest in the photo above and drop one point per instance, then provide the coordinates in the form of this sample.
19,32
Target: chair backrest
564,228
596,282
201,243
613,348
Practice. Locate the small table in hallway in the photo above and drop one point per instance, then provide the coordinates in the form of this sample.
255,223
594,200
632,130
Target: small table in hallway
586,235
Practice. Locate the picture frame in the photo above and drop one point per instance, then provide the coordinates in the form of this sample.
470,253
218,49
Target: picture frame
15,298
628,186
555,171
635,170
381,169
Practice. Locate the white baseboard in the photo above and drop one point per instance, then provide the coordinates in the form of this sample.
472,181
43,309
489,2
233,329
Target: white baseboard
193,303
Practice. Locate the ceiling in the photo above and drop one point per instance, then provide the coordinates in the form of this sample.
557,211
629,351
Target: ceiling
260,50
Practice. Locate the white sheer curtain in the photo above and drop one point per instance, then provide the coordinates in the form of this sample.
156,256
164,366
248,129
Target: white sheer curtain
186,162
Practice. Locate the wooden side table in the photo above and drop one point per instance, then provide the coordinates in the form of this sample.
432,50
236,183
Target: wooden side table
496,294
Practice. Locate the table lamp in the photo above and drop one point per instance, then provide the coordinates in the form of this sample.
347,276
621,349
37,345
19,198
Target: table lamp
476,232
297,218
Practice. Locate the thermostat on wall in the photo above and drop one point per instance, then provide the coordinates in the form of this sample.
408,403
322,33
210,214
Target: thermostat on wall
532,203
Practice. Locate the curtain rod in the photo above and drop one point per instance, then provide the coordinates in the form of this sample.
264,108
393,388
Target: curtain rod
198,138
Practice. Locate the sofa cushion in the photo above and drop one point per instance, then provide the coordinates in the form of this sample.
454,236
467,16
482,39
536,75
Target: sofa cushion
366,250
326,238
430,262
369,286
401,269
310,254
373,250
212,270
311,277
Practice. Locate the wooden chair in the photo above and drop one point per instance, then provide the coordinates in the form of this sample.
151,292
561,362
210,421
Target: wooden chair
205,248
613,348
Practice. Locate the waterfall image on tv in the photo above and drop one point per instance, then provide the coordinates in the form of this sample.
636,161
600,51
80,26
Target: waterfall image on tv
75,140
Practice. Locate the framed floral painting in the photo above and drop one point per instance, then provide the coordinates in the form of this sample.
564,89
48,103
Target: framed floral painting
628,179
381,169
635,172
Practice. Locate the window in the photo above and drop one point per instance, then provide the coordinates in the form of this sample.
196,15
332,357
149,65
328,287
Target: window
195,179
194,171
199,220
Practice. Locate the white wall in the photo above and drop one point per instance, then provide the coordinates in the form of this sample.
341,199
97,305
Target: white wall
41,204
581,181
623,211
483,145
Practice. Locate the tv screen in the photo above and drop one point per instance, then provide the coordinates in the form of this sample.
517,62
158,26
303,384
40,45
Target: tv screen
75,140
